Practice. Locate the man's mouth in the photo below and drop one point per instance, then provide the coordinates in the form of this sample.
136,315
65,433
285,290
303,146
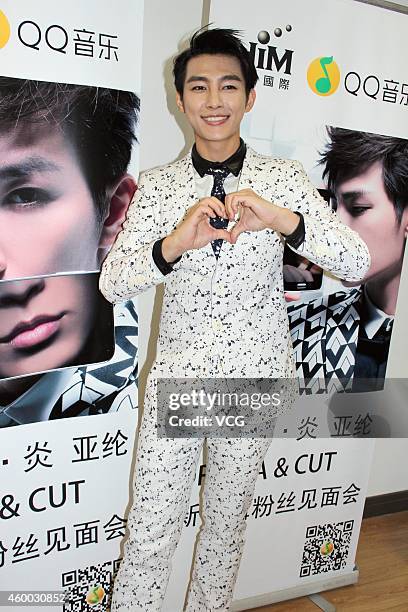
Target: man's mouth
215,119
30,333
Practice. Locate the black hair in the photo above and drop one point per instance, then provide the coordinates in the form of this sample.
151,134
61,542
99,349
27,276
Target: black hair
217,41
350,153
98,121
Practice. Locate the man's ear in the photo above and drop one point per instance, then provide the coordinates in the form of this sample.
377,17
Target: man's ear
179,102
404,222
251,100
120,198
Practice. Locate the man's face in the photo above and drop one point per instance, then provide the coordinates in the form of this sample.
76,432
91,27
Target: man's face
48,220
364,206
48,224
214,98
44,322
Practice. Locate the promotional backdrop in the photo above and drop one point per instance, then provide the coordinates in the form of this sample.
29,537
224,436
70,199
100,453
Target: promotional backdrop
69,109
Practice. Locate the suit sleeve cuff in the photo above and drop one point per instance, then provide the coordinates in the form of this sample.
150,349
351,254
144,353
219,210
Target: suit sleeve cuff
297,237
164,266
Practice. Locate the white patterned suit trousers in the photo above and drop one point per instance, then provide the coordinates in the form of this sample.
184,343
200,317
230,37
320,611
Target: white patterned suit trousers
165,473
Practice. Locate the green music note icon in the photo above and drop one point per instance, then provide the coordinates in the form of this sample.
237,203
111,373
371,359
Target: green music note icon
323,84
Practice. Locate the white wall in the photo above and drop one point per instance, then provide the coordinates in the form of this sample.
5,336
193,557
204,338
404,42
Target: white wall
167,27
164,137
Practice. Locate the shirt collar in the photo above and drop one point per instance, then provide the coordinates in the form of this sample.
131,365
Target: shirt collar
374,317
233,163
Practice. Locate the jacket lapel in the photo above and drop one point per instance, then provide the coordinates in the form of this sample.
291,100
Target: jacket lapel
249,170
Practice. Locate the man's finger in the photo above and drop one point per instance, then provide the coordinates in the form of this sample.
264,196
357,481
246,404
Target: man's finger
228,209
221,233
236,231
293,296
242,192
217,206
249,200
205,210
231,213
234,202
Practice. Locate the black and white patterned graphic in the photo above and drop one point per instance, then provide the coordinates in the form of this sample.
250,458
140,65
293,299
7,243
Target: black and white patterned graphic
324,334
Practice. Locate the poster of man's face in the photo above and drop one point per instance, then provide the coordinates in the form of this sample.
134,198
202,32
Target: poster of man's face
64,187
48,216
366,175
64,192
368,178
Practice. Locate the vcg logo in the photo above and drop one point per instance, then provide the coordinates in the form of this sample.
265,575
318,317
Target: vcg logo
4,30
323,76
268,57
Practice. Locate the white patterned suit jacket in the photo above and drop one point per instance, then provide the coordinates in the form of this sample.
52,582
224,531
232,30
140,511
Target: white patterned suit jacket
231,309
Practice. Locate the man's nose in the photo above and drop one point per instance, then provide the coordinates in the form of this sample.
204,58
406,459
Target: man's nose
214,99
19,292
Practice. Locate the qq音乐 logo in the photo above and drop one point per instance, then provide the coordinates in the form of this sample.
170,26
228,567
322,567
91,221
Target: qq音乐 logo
323,76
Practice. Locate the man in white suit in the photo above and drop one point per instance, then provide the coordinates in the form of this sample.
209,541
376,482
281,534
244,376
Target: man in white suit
224,312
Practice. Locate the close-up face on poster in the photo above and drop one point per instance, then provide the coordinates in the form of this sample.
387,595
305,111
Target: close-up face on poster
346,327
70,87
65,189
66,184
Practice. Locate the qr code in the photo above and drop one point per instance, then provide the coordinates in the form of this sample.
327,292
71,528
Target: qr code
326,548
89,589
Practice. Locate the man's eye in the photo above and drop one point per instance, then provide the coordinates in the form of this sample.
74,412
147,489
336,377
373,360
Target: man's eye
356,211
230,87
198,88
27,197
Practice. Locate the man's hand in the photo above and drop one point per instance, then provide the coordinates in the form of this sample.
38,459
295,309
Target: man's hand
302,273
256,214
195,230
293,296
